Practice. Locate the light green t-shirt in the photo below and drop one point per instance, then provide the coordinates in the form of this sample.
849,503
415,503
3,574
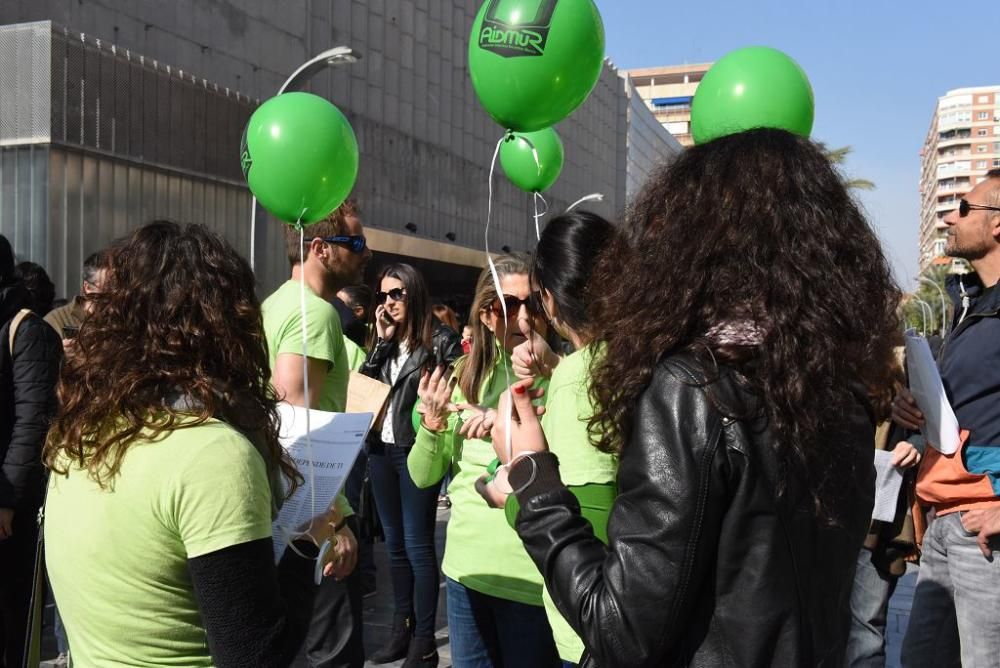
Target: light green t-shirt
355,354
565,424
482,551
117,557
324,338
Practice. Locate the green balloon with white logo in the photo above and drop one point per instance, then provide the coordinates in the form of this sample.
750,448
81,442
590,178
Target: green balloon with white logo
532,62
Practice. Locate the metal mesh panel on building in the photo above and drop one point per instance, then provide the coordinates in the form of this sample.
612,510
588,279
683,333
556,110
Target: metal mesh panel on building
116,101
24,93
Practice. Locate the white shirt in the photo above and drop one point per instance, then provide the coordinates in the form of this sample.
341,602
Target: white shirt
395,366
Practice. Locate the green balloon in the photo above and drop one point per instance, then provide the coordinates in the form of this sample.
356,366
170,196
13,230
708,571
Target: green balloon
533,62
533,160
755,87
299,157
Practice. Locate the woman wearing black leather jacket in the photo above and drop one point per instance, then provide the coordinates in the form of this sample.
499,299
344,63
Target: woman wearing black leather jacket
406,339
744,420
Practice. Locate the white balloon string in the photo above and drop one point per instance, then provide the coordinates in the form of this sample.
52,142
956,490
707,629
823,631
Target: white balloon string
499,290
539,214
305,362
593,197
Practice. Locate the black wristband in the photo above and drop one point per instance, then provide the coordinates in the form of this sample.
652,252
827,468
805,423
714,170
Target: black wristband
544,466
306,548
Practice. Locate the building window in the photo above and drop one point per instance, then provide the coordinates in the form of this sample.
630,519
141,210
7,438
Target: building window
984,116
984,99
982,164
996,163
982,148
981,132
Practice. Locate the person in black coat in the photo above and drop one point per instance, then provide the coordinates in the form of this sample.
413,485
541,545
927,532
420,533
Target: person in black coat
406,339
28,373
743,422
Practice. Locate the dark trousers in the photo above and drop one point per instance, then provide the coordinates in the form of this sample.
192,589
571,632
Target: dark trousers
353,487
408,516
335,638
17,566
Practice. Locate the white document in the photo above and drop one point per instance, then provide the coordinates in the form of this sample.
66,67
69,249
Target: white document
336,440
888,480
940,424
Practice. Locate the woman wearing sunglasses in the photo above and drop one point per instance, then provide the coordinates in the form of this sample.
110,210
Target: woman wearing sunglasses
405,339
494,591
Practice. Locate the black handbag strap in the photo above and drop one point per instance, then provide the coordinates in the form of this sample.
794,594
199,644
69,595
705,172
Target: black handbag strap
33,637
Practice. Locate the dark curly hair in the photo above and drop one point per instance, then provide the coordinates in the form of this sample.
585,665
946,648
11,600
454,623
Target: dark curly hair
754,230
176,333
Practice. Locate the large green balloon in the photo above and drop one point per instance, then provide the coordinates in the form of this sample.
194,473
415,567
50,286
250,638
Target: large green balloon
533,62
755,87
533,160
299,157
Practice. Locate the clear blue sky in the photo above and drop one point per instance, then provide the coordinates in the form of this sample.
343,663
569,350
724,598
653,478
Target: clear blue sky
876,67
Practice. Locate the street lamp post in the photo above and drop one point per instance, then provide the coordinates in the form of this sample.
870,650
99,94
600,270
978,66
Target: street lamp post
924,314
944,302
338,55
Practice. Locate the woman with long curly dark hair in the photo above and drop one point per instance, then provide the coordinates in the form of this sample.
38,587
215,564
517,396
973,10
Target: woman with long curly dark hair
165,459
748,351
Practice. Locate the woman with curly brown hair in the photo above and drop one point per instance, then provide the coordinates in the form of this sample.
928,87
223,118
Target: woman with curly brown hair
164,459
742,352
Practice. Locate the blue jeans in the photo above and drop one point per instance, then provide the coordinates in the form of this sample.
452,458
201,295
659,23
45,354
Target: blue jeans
954,620
869,607
491,632
409,517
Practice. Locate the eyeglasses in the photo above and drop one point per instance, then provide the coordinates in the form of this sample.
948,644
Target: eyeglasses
356,243
964,208
532,303
397,294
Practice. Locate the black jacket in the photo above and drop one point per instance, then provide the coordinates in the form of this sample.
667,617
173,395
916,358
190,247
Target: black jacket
706,564
446,347
27,400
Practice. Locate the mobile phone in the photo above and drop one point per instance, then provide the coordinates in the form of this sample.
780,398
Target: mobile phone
70,332
387,318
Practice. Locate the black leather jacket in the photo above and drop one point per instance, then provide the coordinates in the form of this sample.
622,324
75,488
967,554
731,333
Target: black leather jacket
706,565
446,346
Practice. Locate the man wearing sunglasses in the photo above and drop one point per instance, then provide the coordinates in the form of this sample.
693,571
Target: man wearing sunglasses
335,256
954,617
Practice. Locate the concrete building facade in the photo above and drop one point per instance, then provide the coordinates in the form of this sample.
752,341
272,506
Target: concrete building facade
425,142
667,92
962,144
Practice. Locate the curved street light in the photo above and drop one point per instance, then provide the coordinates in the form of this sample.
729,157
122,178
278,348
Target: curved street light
944,302
338,55
924,314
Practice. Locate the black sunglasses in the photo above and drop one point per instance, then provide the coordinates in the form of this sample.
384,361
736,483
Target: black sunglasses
964,208
356,243
397,294
532,303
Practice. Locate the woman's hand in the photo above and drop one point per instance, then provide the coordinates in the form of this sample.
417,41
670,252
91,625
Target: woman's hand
533,358
904,455
435,390
526,433
494,491
384,328
479,425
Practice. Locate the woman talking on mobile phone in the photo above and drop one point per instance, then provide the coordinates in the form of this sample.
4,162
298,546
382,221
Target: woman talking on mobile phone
406,338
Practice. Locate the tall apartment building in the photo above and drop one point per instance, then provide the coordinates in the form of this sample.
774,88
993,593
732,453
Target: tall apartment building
962,144
668,92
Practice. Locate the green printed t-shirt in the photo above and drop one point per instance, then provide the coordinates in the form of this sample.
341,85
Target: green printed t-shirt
324,338
355,355
482,552
117,557
565,424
